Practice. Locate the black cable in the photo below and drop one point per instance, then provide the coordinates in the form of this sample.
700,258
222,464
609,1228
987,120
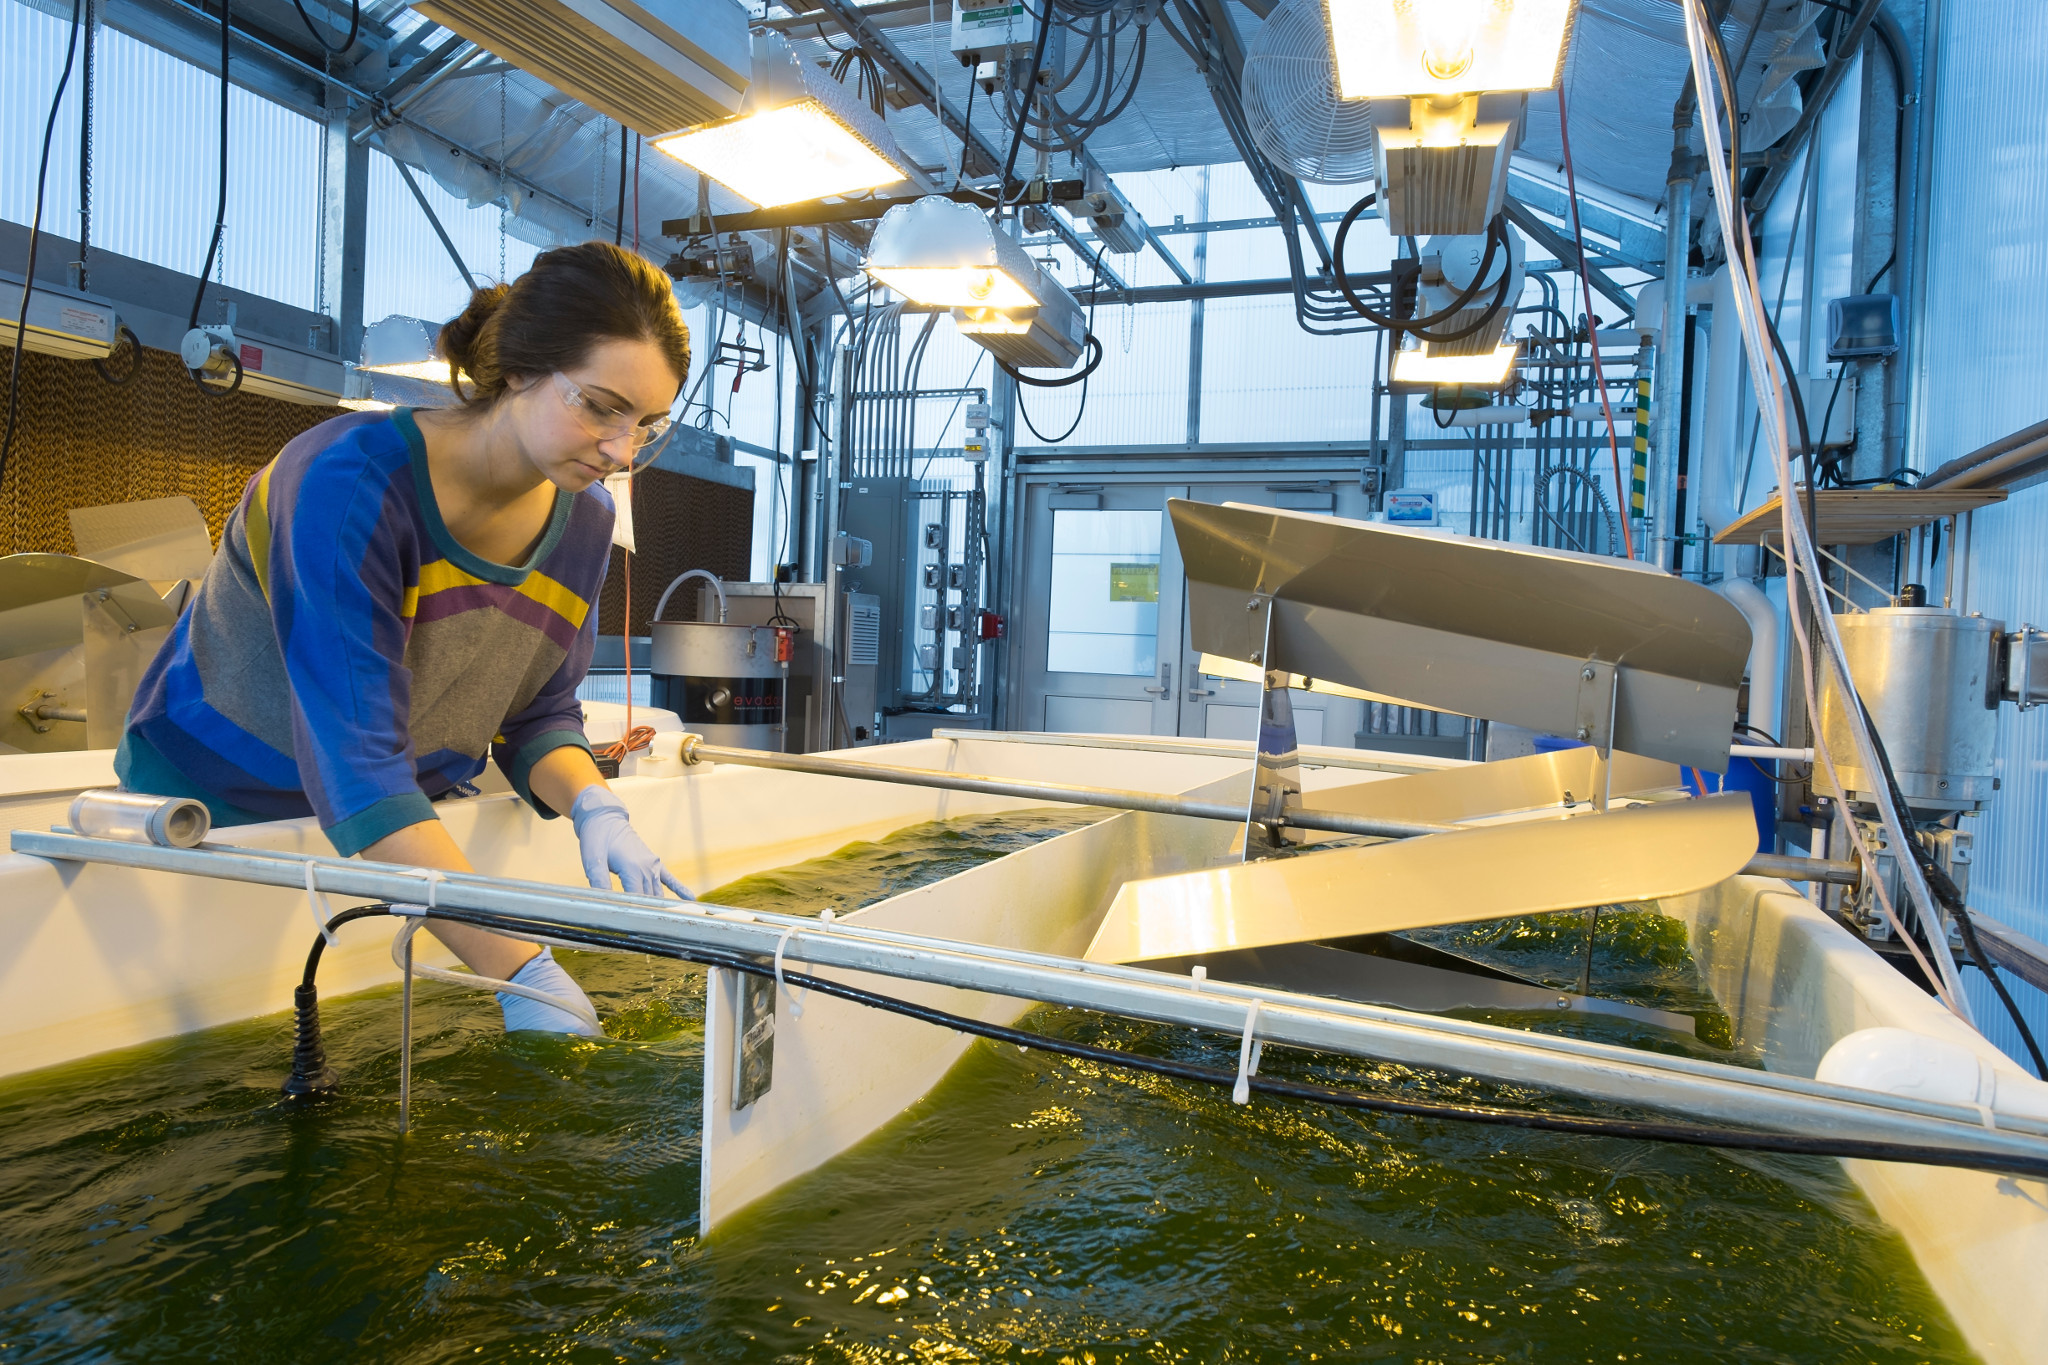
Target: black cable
1496,240
1683,1134
1064,380
1030,90
355,24
1832,468
85,91
124,340
1944,890
220,212
35,228
967,133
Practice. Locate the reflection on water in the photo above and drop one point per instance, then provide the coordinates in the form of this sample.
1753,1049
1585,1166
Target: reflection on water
161,1204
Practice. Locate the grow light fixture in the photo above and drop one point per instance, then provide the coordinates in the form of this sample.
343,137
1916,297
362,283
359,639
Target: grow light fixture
1416,365
1388,49
799,135
401,364
947,255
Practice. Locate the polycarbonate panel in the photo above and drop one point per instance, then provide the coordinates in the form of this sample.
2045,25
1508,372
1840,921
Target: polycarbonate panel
1139,395
155,160
406,270
1982,349
1265,379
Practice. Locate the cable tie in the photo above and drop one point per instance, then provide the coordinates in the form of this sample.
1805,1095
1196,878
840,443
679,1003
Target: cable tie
1247,1058
1200,974
796,1008
1984,1113
316,904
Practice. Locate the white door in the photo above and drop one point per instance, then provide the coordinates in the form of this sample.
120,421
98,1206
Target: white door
1098,646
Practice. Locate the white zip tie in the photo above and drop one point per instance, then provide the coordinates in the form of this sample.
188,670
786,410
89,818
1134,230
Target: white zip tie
796,1008
1200,974
1247,1057
316,904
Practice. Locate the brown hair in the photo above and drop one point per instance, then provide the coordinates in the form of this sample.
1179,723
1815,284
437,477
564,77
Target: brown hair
549,318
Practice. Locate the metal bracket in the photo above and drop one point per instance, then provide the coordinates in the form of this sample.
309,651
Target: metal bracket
1594,714
1276,770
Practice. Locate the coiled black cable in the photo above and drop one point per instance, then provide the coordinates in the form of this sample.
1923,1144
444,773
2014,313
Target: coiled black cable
1683,1134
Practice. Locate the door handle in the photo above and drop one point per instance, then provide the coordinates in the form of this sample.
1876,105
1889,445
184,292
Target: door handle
1194,692
1165,687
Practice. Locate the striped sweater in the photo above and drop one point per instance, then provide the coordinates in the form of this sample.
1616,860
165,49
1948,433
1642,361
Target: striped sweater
346,658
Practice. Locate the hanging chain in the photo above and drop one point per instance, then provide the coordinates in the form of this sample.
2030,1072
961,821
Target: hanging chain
85,151
502,198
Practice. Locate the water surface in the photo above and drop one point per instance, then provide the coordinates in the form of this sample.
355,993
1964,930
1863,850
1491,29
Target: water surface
162,1204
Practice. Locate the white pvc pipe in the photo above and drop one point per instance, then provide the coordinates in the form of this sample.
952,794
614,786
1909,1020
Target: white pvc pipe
684,577
1766,667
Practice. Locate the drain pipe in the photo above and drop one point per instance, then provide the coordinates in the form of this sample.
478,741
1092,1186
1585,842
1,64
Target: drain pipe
1766,668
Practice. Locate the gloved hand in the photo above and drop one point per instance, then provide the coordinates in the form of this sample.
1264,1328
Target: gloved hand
610,846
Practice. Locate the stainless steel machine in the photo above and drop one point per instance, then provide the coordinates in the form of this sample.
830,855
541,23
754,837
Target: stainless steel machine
1932,681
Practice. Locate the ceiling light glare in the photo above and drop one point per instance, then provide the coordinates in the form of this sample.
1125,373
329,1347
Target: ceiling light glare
1418,366
799,136
1391,49
782,156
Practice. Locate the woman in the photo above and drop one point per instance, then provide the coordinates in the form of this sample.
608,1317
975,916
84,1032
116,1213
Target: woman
400,592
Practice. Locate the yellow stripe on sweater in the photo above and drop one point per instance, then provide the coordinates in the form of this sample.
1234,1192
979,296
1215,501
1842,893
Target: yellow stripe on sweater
256,524
442,575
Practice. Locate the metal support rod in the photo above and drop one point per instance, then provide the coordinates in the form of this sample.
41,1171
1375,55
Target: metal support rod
1700,1090
405,1042
1331,822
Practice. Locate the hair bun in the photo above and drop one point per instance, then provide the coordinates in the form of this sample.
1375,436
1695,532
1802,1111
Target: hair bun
462,337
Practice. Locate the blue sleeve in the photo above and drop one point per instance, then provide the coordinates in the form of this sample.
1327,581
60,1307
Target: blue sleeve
342,568
552,720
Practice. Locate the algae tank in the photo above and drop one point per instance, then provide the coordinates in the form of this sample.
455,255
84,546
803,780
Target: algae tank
163,1204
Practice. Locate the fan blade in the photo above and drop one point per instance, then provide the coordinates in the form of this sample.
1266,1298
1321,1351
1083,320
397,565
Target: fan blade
1632,854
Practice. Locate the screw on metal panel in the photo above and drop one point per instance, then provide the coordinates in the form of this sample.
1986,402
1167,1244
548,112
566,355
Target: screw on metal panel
1588,674
1564,1002
1585,732
1257,657
1252,605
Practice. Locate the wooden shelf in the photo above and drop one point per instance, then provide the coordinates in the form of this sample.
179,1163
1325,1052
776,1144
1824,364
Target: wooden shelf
1854,516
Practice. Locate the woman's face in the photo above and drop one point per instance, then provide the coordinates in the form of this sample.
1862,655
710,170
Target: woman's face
588,421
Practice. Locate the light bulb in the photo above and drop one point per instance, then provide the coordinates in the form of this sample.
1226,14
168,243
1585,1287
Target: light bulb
1450,32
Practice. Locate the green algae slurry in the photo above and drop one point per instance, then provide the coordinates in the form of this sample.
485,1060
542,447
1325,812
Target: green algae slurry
160,1203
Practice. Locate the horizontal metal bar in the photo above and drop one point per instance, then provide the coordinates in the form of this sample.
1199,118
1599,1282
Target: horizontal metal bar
1323,821
1328,822
1696,1089
1238,749
812,213
1796,869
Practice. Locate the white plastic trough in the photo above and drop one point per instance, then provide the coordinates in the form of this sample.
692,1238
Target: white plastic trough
98,957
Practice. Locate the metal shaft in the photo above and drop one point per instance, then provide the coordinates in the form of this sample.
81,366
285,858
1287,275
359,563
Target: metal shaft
1332,822
1327,821
1697,1089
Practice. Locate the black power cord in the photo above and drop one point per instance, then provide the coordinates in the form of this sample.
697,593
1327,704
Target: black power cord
1944,890
220,213
307,1053
355,26
35,229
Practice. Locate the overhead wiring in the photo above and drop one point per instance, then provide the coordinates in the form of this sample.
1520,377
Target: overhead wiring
1802,562
35,229
355,27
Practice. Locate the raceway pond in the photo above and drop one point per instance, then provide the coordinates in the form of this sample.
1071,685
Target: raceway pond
162,1204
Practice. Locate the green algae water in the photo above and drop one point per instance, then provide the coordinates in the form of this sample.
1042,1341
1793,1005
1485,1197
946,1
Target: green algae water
161,1204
